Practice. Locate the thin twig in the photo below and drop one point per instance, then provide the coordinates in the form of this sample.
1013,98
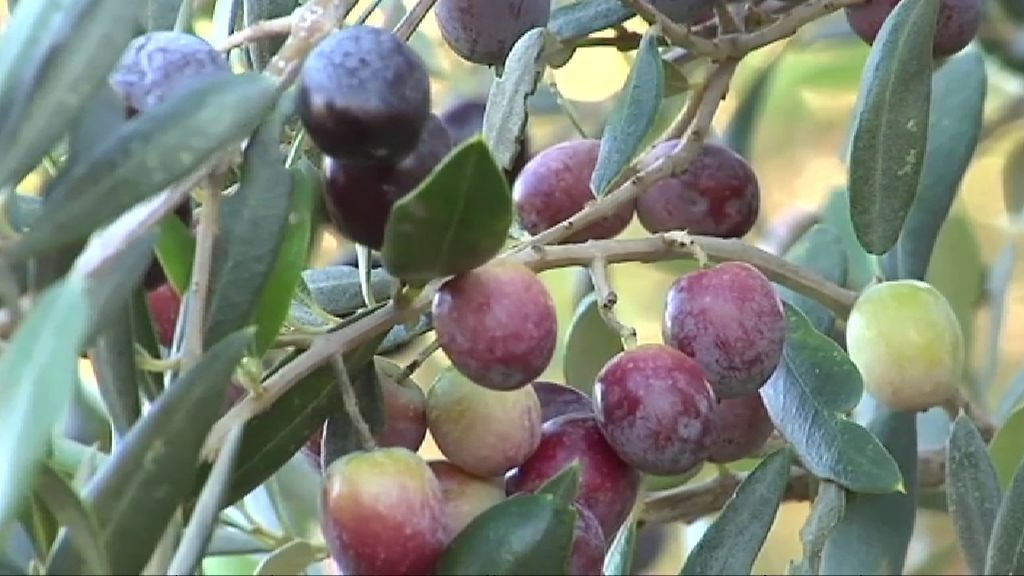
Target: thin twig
689,503
348,398
673,163
258,31
419,360
567,107
669,246
369,11
412,19
199,288
311,23
607,299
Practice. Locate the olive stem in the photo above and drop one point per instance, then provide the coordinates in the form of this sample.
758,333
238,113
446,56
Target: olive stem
257,31
419,360
199,285
669,246
413,18
348,398
689,503
606,300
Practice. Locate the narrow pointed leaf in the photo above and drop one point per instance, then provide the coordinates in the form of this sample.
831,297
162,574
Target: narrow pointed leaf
585,17
836,214
890,130
38,373
739,134
1006,449
955,117
618,561
632,116
589,344
456,220
505,114
874,533
182,132
972,490
272,307
59,77
175,248
137,490
819,250
292,558
70,511
731,544
533,533
1013,181
203,520
1006,548
564,485
807,397
160,14
251,229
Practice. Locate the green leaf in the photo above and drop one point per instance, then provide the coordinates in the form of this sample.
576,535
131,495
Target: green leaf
1013,181
182,132
203,520
875,532
456,220
972,490
819,250
292,558
175,248
114,355
731,544
86,421
111,284
505,114
289,489
739,134
275,301
336,288
807,396
891,127
231,542
632,116
251,229
828,509
585,17
836,215
998,285
21,210
136,492
564,485
38,373
1006,548
957,105
1006,448
533,533
619,558
63,501
589,344
160,14
100,117
272,437
58,76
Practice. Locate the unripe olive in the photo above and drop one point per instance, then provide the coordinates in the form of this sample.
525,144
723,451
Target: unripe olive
907,343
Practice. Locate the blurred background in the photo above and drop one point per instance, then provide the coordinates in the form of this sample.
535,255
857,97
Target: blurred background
797,151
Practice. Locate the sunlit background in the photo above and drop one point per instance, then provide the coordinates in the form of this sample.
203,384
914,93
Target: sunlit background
797,153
